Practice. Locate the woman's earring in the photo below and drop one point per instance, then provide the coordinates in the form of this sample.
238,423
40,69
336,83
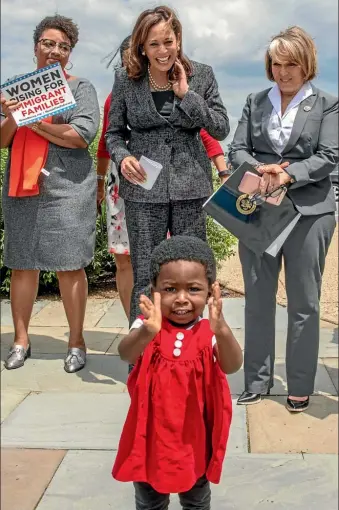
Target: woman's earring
143,53
35,60
69,68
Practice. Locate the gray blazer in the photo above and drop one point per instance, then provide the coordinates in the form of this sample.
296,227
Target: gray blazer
312,149
174,142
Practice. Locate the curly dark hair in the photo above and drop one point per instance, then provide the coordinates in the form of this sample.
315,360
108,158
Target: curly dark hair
65,25
183,248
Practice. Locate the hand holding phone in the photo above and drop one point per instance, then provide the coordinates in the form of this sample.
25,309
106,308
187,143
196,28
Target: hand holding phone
250,184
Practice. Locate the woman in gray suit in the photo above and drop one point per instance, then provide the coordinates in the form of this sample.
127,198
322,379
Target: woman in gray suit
165,100
290,133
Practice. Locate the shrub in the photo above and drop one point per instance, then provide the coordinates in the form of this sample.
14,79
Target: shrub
220,240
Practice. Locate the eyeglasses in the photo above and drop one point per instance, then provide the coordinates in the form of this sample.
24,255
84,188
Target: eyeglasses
258,199
50,45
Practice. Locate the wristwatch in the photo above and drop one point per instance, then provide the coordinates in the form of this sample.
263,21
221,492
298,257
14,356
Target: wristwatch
224,173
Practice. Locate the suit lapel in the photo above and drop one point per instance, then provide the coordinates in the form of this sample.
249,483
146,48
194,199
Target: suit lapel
303,112
267,108
147,105
144,97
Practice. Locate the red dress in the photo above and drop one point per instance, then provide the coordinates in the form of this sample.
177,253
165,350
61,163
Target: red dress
178,423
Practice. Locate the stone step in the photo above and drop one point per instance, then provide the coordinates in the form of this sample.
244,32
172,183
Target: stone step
6,313
108,374
255,482
83,421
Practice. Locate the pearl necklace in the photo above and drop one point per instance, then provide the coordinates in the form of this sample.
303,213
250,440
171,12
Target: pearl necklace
155,86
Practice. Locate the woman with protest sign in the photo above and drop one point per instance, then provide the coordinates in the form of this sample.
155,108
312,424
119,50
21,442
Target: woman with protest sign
49,197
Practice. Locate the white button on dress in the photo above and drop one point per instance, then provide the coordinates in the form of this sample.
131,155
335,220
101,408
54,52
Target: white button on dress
178,344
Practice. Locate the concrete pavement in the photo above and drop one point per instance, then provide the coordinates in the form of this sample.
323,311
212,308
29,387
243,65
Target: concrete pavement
60,431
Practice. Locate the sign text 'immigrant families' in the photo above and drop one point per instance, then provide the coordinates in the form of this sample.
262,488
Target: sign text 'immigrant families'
42,93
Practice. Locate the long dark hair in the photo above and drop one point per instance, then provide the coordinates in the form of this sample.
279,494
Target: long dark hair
135,62
110,58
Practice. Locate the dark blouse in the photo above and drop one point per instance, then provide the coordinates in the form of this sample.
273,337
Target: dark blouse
164,102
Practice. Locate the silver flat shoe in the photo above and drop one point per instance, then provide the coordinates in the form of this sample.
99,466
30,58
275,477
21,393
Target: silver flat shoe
17,356
75,360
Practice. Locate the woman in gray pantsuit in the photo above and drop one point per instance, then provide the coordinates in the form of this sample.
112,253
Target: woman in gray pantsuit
52,228
290,133
165,99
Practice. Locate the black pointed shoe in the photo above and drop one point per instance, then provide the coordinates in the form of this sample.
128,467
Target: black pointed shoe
297,406
247,398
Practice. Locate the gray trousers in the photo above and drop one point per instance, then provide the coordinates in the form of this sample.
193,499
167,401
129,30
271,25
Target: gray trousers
198,498
304,255
147,226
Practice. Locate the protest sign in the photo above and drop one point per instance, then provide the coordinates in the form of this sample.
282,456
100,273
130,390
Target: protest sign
42,93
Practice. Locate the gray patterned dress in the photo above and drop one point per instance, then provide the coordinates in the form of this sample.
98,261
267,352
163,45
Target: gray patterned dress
55,230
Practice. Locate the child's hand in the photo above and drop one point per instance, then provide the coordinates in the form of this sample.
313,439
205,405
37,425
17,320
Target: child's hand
151,312
216,318
227,350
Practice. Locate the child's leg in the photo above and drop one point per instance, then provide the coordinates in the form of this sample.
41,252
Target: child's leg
146,498
198,498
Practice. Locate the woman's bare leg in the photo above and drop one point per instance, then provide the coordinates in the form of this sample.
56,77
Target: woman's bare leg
74,289
124,279
24,289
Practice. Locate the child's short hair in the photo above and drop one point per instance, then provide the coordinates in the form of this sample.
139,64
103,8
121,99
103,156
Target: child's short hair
183,248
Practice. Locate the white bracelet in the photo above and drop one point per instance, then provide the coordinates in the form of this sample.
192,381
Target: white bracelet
100,177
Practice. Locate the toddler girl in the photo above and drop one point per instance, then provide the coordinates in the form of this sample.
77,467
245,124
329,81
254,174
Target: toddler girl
174,438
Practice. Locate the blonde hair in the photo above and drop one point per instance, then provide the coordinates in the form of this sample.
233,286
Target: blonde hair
296,46
134,60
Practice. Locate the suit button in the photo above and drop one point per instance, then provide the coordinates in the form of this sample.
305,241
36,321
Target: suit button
168,140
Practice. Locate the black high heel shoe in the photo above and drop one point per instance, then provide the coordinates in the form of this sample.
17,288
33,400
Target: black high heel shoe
297,406
248,398
17,356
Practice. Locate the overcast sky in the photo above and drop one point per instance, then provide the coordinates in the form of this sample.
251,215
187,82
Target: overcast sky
230,35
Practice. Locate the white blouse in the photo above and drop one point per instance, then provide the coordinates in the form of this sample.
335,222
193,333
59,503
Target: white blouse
280,126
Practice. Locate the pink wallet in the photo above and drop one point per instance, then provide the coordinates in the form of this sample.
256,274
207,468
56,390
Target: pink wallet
250,185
